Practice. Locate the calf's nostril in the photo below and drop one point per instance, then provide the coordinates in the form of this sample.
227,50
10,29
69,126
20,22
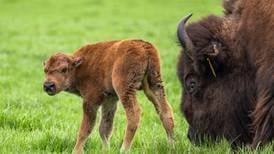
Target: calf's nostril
48,86
51,85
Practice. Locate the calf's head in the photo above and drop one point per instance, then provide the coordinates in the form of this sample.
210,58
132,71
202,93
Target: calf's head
59,72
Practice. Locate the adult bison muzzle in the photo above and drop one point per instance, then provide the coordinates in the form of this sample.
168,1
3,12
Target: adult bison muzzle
226,68
101,74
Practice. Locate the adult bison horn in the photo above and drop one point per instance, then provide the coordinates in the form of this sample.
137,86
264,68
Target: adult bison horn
182,34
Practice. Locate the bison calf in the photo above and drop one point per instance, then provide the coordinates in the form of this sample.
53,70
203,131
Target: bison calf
101,74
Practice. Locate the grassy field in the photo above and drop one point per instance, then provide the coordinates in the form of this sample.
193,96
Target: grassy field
31,30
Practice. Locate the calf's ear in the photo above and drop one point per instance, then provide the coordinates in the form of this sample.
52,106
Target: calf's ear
77,61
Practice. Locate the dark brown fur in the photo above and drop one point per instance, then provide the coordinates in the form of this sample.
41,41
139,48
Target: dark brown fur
232,7
104,72
256,38
238,103
213,107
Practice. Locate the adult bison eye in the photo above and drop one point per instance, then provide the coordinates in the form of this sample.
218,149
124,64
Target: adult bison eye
191,83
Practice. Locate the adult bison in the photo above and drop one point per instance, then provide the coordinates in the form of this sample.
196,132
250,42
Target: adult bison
227,71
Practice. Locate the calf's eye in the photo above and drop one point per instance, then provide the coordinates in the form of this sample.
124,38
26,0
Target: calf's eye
64,70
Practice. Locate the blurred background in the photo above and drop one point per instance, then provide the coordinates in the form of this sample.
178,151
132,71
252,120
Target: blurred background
32,30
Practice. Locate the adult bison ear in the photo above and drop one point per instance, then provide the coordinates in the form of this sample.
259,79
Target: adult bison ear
77,61
215,49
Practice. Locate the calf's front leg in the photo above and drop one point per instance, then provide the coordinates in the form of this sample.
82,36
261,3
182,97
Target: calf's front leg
108,111
89,117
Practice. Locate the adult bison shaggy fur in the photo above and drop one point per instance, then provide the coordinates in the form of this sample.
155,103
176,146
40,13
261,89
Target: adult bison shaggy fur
101,74
226,68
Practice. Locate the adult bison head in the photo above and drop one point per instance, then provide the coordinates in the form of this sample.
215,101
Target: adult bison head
59,72
218,87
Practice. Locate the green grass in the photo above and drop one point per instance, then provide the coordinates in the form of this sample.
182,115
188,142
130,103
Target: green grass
31,30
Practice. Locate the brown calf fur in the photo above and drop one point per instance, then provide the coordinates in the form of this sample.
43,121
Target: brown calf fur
101,74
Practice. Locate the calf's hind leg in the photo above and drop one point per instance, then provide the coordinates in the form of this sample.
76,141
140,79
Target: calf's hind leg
127,96
133,114
126,80
154,90
128,99
156,94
